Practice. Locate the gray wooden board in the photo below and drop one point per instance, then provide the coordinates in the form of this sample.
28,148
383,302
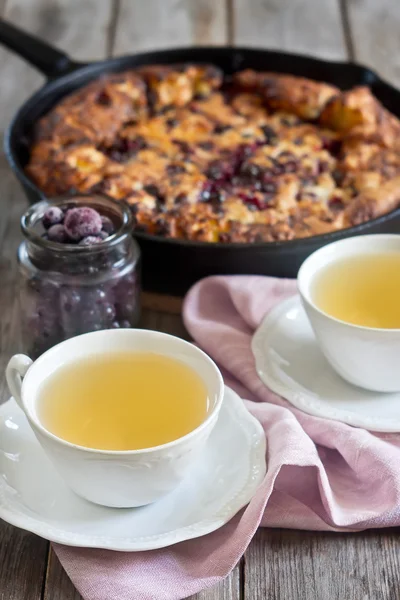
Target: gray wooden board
374,27
148,24
303,565
305,26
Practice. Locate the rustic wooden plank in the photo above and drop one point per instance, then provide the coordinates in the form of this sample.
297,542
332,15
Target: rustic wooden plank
13,205
22,555
22,564
374,28
228,589
303,26
80,28
162,302
300,564
150,24
58,585
166,322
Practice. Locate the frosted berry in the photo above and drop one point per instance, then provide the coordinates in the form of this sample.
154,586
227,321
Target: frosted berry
57,233
98,295
109,312
90,240
82,222
107,225
52,216
70,299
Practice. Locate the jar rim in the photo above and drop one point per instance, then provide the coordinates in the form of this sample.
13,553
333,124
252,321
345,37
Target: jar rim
37,210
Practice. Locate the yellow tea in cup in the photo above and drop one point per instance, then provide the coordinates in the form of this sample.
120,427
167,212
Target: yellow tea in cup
123,401
362,289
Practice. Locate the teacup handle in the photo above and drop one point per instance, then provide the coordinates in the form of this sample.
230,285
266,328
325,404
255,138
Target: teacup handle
15,372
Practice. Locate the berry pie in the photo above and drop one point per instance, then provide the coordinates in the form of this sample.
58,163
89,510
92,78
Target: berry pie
256,157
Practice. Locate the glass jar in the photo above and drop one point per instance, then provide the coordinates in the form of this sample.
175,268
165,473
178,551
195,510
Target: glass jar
67,289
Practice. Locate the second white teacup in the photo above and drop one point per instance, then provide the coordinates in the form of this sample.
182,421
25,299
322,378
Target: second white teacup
365,356
117,478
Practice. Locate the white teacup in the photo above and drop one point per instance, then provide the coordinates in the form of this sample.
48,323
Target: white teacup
117,478
364,356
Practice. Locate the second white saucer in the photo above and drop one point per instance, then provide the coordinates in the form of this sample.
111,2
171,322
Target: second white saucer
290,363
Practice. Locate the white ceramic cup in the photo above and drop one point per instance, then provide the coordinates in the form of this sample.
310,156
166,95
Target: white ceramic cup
117,478
364,356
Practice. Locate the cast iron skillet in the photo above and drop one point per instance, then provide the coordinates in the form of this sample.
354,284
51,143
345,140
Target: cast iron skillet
169,265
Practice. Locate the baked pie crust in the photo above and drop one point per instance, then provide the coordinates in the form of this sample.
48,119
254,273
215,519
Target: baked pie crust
255,157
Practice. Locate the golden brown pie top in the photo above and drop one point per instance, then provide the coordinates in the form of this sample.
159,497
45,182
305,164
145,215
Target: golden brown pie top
260,157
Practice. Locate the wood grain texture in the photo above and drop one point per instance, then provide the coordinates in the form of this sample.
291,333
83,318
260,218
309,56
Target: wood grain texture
229,589
305,26
79,28
166,322
12,206
162,303
151,24
58,585
22,564
22,555
374,27
282,564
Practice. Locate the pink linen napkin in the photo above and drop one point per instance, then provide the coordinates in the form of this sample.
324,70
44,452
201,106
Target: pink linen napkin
322,475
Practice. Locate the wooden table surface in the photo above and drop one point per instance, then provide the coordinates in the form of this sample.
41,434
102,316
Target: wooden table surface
279,564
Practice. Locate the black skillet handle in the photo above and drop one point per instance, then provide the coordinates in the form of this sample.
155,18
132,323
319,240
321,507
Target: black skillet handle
48,60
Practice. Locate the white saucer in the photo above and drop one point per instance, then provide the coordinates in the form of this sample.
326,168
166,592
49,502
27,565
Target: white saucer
289,362
33,497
